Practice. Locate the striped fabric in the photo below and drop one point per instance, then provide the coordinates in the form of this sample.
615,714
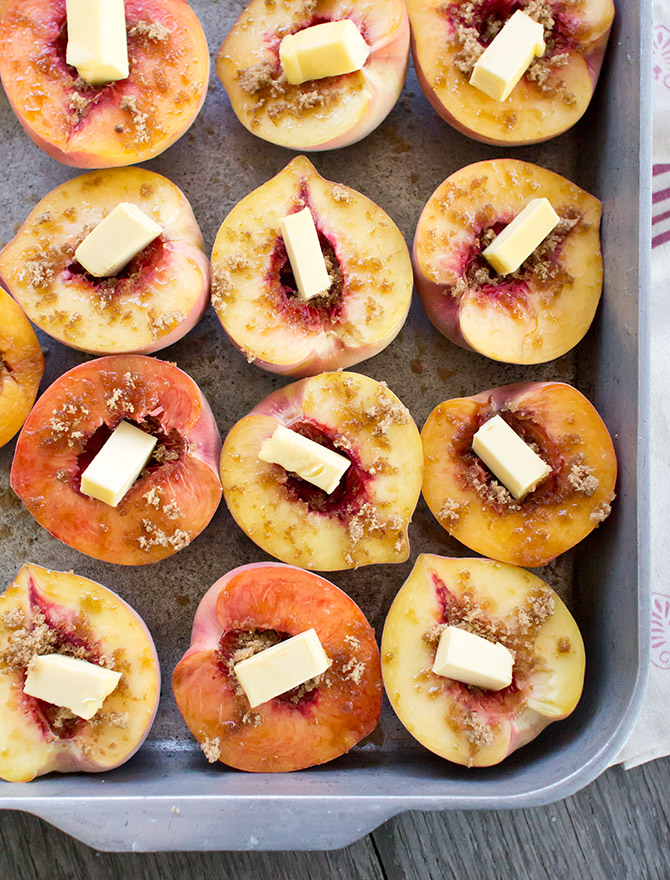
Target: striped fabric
660,210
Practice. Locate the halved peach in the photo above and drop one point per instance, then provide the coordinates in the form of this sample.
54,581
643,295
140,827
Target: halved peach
535,314
365,519
53,612
174,497
449,35
566,432
21,367
320,114
152,303
254,292
501,603
250,609
127,121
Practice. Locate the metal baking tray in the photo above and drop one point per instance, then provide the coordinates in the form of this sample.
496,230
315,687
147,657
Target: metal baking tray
167,797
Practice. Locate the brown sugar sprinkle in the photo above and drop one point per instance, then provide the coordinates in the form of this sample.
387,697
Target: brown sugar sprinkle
152,30
113,719
62,719
211,749
563,646
222,287
354,670
600,512
367,522
341,194
156,537
251,719
153,496
386,412
41,271
30,638
477,732
450,512
162,454
79,105
491,492
164,322
138,118
582,479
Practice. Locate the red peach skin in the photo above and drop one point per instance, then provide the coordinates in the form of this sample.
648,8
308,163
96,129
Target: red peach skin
282,735
127,121
173,499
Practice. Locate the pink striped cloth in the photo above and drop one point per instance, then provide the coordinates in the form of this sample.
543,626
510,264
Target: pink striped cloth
651,736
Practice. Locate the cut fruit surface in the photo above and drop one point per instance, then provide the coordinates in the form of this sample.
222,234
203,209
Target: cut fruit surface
150,304
365,519
319,114
448,36
254,607
566,432
502,603
174,497
254,292
121,123
21,367
52,612
530,316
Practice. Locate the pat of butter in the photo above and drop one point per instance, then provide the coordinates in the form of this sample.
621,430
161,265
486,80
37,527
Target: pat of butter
519,238
305,254
508,57
465,657
114,242
77,685
282,667
510,458
118,464
328,49
315,463
97,44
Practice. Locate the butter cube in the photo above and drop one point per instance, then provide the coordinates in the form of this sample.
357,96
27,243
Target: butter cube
305,254
97,44
114,242
519,238
118,464
322,50
510,458
281,668
315,463
77,685
508,57
465,657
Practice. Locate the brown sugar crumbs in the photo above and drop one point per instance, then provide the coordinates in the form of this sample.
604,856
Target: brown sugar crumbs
211,749
138,117
155,537
79,105
162,454
491,492
450,512
582,479
477,732
600,512
152,30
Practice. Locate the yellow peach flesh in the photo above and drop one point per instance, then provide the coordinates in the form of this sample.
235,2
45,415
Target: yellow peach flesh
29,747
431,708
350,407
540,321
247,293
21,367
37,266
545,524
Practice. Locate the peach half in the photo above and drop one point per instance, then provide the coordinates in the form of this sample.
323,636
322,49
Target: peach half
53,612
502,603
254,291
535,314
176,494
152,303
127,121
21,367
365,519
248,610
320,114
448,36
468,501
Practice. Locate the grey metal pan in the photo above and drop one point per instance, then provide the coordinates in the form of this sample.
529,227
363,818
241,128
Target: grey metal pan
167,797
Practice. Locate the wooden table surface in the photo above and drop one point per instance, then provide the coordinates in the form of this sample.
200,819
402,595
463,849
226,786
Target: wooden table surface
616,829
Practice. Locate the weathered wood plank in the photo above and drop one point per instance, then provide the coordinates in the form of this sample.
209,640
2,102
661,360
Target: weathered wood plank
616,829
32,850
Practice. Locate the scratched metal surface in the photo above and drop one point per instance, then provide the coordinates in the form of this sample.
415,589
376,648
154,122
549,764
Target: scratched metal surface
398,166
